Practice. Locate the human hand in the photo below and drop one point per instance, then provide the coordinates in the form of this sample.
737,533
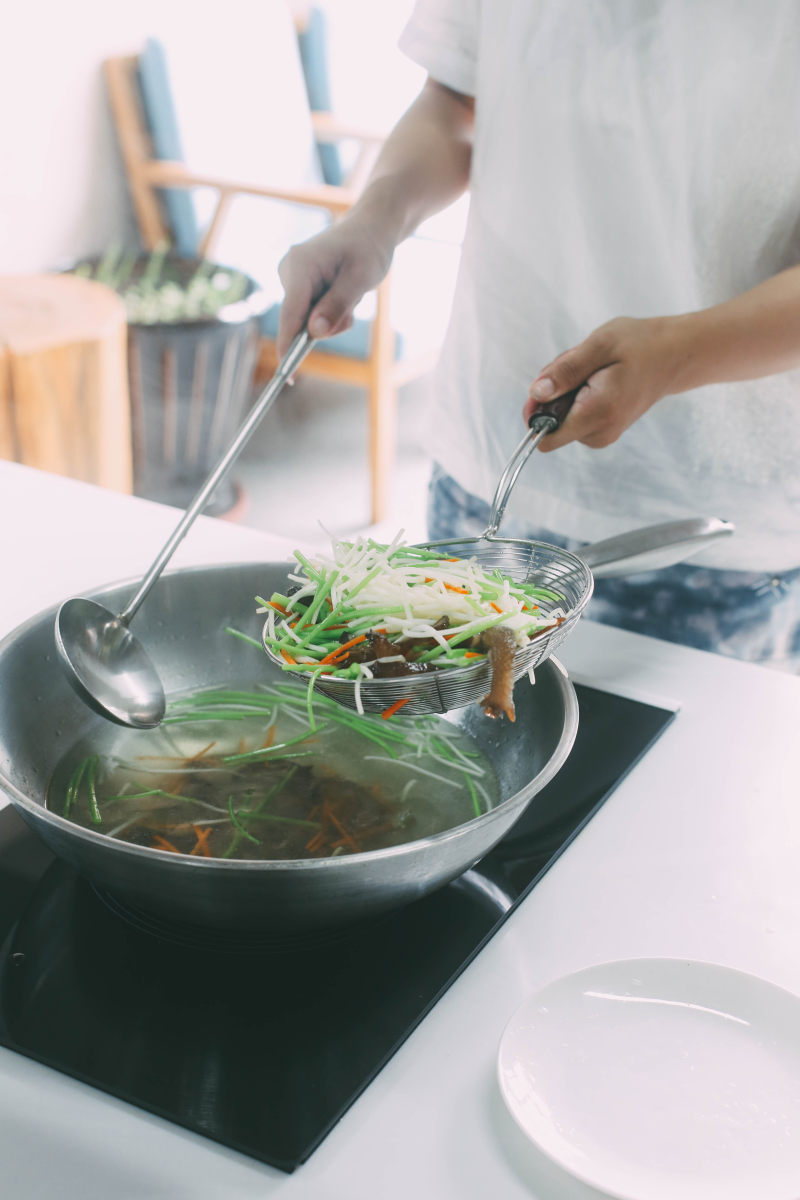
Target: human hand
625,366
325,277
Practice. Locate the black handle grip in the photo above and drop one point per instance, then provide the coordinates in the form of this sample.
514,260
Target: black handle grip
555,409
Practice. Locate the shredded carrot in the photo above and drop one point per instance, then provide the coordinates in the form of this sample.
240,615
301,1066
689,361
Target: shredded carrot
200,753
279,608
334,654
496,607
291,661
269,739
328,812
163,844
393,708
202,841
338,661
317,841
472,654
451,587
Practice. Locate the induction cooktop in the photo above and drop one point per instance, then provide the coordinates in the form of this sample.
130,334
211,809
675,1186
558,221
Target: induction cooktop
262,1045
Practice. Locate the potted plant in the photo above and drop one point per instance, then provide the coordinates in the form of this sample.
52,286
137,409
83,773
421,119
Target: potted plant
193,331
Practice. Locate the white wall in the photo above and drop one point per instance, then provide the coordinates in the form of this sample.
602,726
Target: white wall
371,79
62,193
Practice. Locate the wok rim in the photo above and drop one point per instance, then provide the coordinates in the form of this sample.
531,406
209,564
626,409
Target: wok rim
517,800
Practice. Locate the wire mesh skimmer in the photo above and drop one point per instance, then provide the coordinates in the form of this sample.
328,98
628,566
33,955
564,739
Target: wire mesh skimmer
441,689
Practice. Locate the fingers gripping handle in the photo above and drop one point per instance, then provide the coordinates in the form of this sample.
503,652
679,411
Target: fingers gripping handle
550,416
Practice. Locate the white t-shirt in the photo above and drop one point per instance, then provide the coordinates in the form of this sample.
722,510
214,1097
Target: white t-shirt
632,158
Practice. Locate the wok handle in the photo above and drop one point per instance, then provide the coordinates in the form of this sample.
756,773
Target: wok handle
547,418
654,546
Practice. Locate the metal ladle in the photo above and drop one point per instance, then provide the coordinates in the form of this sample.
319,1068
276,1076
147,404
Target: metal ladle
104,662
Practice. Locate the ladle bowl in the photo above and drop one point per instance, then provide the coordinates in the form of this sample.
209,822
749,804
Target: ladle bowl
107,665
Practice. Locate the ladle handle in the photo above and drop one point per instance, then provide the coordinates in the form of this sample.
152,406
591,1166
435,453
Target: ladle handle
546,419
286,368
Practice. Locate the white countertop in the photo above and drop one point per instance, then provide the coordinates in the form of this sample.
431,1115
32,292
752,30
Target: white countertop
695,855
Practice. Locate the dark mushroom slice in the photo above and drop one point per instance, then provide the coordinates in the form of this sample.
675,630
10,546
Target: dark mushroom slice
378,646
413,647
393,670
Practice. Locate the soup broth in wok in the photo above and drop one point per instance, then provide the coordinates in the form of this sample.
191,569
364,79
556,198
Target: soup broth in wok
273,774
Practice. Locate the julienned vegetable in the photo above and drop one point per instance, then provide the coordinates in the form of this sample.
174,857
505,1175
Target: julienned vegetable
370,610
239,774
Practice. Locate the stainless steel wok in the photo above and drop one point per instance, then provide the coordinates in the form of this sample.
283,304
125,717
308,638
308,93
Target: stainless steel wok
183,625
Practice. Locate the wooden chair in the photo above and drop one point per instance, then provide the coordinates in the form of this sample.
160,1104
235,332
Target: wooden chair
158,181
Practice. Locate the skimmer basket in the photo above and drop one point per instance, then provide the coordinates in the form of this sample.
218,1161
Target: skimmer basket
444,688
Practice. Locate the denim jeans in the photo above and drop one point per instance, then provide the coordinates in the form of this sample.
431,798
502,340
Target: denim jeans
748,615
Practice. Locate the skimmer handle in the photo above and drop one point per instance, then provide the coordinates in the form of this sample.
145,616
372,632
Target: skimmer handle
546,419
286,368
550,416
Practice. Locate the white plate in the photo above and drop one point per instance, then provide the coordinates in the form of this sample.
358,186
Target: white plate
661,1079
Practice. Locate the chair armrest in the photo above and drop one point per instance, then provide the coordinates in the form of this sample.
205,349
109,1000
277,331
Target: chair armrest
165,174
328,128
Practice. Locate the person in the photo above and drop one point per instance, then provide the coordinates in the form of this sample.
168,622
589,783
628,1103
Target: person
633,227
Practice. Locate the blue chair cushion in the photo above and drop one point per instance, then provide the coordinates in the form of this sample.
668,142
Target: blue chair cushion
353,343
162,121
313,43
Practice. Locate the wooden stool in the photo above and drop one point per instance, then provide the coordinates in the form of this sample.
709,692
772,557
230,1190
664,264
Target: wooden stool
63,379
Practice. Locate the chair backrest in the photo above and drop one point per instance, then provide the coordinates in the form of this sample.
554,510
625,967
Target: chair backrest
136,146
162,122
229,98
313,42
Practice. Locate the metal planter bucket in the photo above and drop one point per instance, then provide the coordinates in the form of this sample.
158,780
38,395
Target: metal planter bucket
190,386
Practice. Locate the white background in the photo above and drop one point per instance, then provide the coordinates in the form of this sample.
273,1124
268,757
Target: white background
62,192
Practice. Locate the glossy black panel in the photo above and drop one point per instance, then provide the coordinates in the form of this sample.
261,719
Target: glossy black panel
263,1045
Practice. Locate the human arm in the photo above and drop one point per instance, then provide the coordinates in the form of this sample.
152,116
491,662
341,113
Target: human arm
423,166
629,364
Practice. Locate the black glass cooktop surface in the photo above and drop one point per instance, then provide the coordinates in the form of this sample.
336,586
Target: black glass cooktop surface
263,1047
